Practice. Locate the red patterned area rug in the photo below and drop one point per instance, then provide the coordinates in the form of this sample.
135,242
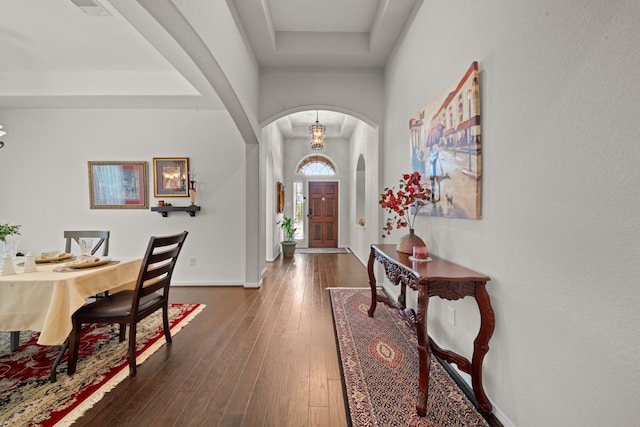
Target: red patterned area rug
28,398
379,362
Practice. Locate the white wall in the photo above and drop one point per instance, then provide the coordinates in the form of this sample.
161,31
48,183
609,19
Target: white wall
364,141
357,94
44,170
271,158
560,227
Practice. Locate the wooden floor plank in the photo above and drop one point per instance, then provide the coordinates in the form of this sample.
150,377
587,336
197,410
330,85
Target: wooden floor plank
337,409
319,416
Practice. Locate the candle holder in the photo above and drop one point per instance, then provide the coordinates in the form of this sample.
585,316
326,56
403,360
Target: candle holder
192,192
420,254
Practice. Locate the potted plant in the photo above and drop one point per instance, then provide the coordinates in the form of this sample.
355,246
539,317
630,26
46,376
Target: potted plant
10,247
403,206
8,230
289,243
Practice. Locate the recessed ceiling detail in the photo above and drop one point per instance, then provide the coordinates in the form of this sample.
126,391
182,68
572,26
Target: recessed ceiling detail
54,53
296,125
329,34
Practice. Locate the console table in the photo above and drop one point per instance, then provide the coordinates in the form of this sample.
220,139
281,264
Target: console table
446,280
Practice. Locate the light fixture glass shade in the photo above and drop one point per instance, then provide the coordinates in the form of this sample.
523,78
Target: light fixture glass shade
317,135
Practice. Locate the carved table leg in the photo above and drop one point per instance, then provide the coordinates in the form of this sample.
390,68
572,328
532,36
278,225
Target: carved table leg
424,361
372,283
481,347
402,298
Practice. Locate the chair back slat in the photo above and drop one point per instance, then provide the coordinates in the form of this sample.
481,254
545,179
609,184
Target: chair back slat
76,235
157,267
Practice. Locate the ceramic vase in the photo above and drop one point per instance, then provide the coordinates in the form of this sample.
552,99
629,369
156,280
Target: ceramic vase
9,245
408,242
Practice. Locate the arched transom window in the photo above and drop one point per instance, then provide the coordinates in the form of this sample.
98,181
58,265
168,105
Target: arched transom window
316,165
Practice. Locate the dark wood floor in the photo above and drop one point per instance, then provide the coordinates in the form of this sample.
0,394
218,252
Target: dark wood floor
253,357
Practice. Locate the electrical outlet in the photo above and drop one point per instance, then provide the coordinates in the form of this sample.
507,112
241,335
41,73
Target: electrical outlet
451,315
192,261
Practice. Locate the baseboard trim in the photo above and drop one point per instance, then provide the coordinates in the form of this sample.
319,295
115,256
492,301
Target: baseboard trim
253,285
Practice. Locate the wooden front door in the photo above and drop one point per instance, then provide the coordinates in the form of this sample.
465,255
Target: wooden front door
323,214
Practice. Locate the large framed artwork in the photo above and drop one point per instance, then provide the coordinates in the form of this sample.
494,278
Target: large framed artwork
446,148
170,176
118,185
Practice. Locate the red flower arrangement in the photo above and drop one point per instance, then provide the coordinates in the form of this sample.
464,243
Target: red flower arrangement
411,194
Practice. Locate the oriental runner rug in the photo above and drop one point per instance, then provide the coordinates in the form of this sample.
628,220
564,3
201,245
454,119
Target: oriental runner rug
28,398
379,364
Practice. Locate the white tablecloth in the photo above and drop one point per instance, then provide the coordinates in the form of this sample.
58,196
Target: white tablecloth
45,300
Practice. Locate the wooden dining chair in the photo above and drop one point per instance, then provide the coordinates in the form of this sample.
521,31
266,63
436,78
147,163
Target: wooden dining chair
151,293
75,236
102,237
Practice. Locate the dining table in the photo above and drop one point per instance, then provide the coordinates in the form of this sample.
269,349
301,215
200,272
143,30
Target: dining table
45,299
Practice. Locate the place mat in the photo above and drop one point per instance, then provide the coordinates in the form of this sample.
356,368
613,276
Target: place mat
61,257
83,266
88,264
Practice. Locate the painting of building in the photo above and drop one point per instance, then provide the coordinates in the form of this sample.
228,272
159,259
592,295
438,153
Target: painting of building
446,148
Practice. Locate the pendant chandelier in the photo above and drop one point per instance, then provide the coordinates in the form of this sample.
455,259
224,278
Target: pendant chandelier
317,135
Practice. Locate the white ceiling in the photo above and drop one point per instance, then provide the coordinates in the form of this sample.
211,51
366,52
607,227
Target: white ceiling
55,55
56,36
327,33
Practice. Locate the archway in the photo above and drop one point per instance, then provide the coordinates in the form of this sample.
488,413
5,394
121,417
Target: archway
288,140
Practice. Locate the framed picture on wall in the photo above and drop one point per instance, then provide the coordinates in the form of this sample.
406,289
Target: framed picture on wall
171,176
118,185
279,197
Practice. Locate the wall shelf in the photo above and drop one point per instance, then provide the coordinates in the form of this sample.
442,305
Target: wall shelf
164,210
